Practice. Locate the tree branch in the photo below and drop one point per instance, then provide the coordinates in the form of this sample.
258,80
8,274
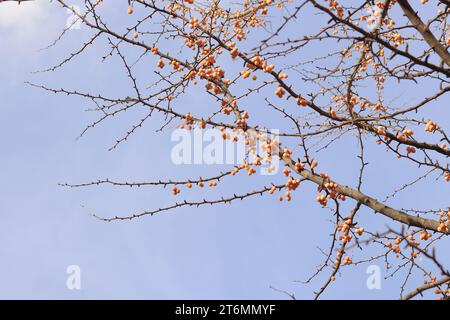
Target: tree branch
423,29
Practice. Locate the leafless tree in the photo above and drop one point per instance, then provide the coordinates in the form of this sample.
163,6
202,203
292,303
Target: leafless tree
359,48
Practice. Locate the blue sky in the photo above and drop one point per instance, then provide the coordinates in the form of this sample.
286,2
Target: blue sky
224,252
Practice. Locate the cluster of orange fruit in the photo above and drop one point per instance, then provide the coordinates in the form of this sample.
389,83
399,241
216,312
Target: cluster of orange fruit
396,247
207,68
193,23
280,92
292,183
425,235
347,261
431,126
443,226
301,101
345,228
287,153
175,190
411,241
447,176
189,121
322,199
334,6
403,136
331,187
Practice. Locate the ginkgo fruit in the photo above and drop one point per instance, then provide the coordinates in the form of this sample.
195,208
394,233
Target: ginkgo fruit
302,102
